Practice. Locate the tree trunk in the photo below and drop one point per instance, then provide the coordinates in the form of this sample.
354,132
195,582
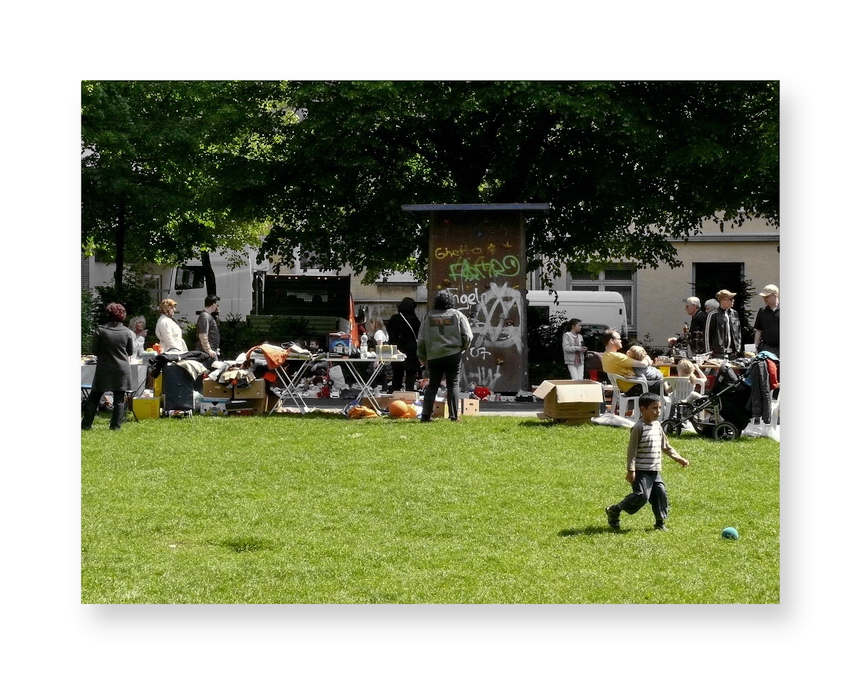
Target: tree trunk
208,274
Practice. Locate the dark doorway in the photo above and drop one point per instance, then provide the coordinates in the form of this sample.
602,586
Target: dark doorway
709,277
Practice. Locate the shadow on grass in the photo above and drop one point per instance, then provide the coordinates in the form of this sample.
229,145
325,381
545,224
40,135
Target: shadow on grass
320,415
590,530
549,423
245,544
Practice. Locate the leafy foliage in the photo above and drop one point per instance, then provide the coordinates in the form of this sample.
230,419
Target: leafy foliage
132,293
625,166
88,320
172,169
168,167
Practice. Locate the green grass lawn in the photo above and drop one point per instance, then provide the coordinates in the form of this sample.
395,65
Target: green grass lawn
321,509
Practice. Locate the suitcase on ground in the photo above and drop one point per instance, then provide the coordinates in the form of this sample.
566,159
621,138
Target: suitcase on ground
178,389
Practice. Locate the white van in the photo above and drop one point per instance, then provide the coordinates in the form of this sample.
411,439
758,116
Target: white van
593,308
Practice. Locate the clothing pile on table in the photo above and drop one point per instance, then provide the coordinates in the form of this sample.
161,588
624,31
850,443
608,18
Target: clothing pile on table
233,373
190,361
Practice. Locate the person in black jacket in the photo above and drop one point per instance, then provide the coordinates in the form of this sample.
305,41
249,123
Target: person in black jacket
113,344
403,332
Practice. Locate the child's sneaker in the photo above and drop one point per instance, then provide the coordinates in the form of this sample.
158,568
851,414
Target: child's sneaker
661,526
613,516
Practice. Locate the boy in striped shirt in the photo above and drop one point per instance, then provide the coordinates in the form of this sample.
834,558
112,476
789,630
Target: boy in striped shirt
647,442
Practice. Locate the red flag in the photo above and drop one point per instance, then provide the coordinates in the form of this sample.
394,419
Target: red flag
353,327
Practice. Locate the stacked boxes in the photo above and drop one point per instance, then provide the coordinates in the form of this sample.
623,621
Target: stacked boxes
248,400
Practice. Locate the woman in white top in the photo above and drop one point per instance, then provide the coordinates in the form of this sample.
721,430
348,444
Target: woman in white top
574,351
137,325
379,333
167,330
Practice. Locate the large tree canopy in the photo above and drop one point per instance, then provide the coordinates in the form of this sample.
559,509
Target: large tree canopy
625,166
169,167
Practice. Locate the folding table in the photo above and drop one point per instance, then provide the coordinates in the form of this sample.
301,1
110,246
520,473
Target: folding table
276,360
365,387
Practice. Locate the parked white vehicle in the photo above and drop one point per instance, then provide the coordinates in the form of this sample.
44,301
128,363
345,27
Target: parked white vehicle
593,308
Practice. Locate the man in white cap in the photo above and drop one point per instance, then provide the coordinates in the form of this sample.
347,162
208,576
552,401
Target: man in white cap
723,328
766,324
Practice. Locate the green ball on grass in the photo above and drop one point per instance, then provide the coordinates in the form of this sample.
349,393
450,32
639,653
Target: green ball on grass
730,533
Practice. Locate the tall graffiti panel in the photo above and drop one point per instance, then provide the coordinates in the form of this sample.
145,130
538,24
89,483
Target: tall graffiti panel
480,257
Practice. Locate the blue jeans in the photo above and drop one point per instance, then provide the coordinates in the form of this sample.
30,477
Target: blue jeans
449,368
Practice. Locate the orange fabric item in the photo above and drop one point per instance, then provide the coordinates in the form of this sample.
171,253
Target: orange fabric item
275,355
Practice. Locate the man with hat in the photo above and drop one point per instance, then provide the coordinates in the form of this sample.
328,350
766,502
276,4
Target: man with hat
694,334
766,324
723,328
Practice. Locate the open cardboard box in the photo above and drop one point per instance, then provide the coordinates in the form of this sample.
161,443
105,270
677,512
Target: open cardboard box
570,401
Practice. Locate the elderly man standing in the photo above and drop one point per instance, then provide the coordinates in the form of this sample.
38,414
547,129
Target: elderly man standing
766,324
694,336
723,328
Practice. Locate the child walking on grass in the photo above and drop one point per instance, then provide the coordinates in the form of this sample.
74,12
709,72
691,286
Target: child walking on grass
647,442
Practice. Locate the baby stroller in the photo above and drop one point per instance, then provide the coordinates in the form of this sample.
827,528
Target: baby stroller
721,415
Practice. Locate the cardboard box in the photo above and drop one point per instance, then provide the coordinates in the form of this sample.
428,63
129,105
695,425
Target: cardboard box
213,389
387,352
570,401
407,396
440,410
384,401
468,406
215,406
255,391
146,407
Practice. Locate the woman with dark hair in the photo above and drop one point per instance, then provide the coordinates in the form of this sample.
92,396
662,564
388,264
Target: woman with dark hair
443,336
113,344
574,350
403,332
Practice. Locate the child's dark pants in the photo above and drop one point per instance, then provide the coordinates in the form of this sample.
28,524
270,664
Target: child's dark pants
648,486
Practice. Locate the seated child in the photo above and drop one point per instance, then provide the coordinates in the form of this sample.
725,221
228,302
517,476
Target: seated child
687,369
649,373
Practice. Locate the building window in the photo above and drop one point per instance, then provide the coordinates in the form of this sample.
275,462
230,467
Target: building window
189,277
620,278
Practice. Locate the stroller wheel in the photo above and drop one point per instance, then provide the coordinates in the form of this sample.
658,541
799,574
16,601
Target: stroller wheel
704,429
725,431
671,427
